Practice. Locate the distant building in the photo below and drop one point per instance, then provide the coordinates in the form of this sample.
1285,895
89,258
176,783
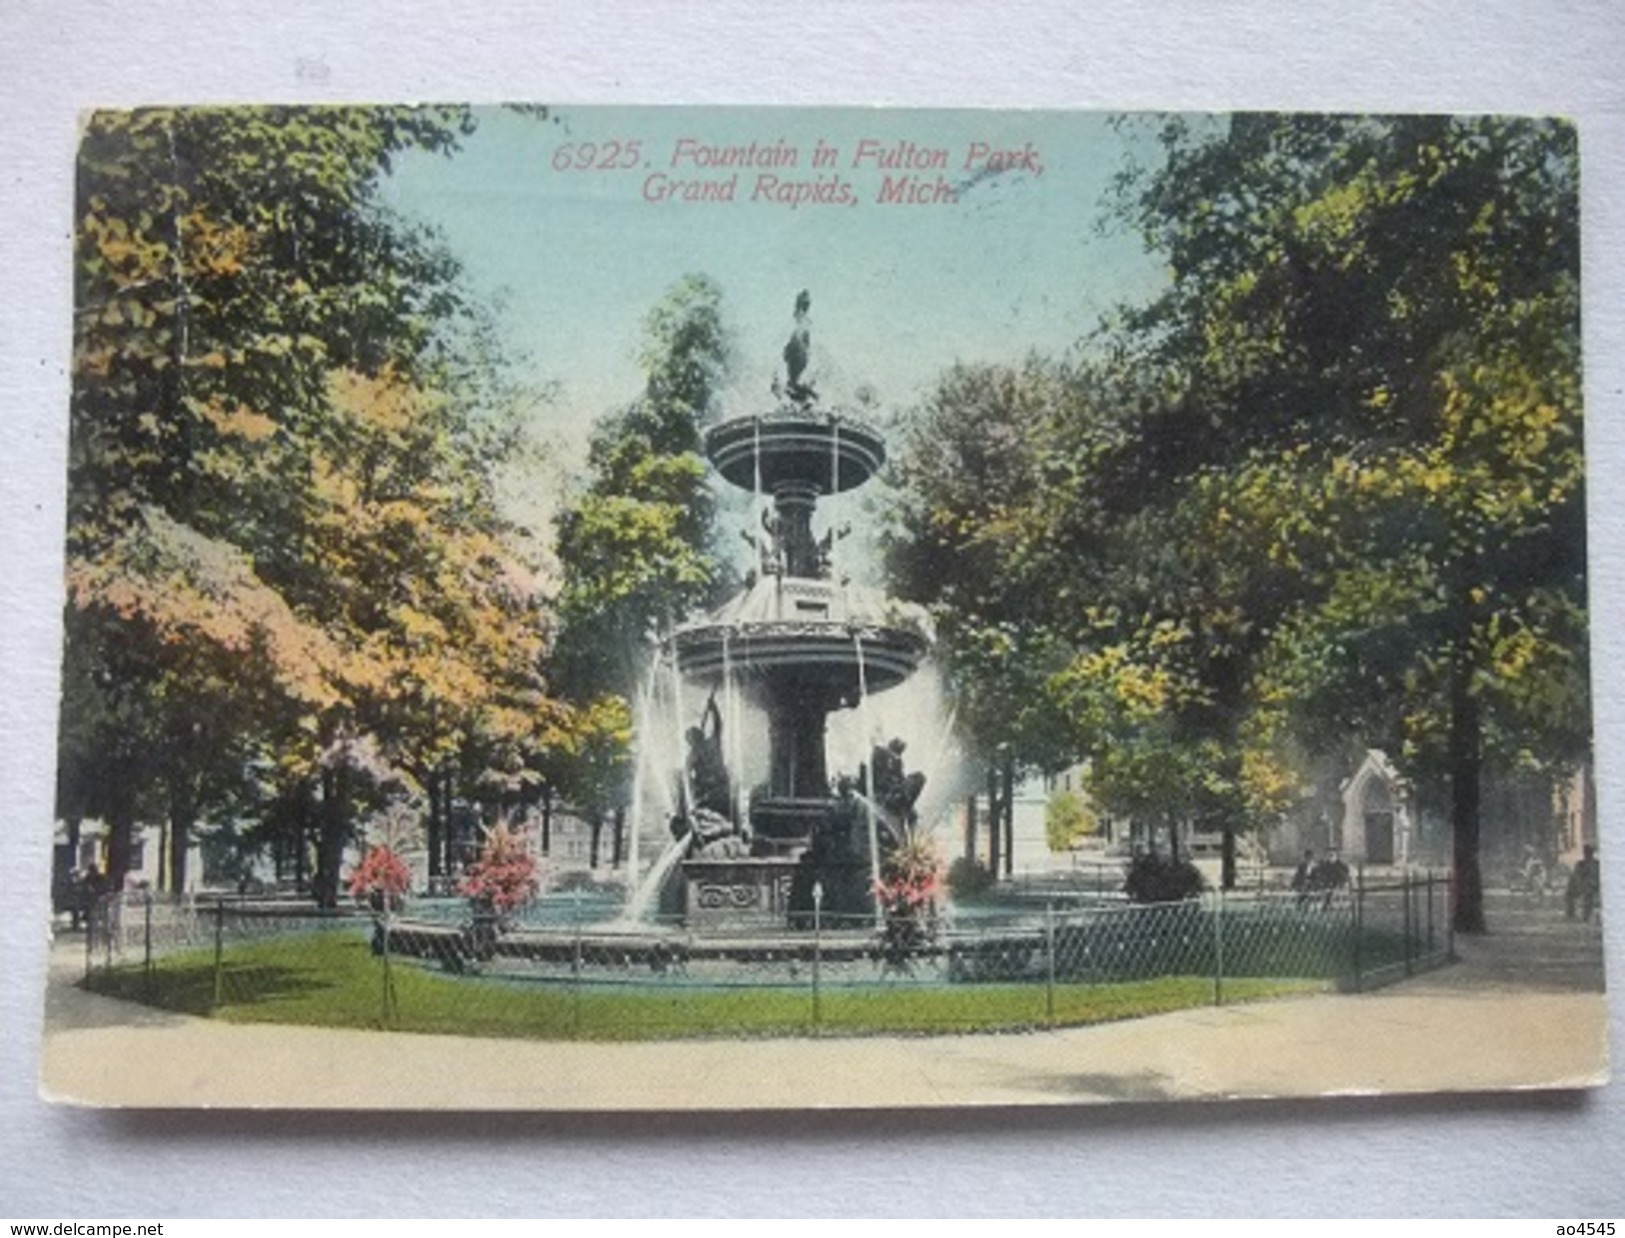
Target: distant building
1378,825
1027,848
149,860
1368,815
569,843
1374,816
1574,811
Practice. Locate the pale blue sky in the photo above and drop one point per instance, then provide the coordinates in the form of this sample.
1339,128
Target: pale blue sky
899,292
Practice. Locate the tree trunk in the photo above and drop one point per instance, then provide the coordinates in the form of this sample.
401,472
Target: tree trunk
304,809
120,845
547,819
970,828
182,819
596,838
1466,762
449,834
1009,806
334,833
993,839
1227,860
436,824
616,842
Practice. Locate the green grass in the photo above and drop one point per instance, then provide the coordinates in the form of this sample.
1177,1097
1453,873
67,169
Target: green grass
332,980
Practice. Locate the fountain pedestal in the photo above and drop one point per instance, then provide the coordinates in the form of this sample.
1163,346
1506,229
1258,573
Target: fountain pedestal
738,894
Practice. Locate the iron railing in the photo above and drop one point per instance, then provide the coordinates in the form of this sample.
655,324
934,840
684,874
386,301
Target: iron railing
570,969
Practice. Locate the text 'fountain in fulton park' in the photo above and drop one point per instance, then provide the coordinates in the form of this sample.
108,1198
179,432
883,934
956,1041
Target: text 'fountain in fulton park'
797,644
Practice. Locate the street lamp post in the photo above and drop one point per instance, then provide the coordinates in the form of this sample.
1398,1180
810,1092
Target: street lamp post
818,943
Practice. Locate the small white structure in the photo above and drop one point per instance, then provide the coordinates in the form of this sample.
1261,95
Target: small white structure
1574,811
1026,850
1378,825
149,865
146,850
1030,851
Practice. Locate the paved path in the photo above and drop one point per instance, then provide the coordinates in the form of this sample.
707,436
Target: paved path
1524,1008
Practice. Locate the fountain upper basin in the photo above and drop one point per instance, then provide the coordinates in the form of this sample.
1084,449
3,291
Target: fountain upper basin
832,452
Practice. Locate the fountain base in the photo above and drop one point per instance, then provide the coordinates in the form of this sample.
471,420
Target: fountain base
749,893
773,892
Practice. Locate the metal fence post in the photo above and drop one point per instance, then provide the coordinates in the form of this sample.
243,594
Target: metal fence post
1450,914
1218,948
818,951
219,950
1359,928
391,1011
1430,915
1049,954
1419,933
146,943
1409,925
575,973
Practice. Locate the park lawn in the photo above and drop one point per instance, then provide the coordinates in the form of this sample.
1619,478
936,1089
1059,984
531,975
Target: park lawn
332,979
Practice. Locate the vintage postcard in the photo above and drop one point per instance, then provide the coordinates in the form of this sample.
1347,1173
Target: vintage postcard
689,608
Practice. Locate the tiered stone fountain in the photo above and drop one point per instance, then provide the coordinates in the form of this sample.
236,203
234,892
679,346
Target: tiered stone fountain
796,645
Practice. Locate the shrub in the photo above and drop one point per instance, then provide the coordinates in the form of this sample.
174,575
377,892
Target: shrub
1067,819
1154,878
909,876
969,879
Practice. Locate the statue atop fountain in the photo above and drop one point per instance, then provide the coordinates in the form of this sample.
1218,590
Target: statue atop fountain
797,353
795,645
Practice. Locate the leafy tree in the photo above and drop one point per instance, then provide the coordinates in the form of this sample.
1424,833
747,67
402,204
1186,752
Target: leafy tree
1067,818
985,506
446,636
282,544
971,534
1372,329
637,547
1327,484
1132,705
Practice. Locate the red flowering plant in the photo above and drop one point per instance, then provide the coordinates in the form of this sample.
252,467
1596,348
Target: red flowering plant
381,880
504,878
910,875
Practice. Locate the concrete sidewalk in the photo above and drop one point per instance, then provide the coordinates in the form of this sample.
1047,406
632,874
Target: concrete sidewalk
1476,1026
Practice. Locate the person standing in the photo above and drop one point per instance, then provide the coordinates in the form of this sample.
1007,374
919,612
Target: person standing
1303,877
1585,885
1532,875
1331,876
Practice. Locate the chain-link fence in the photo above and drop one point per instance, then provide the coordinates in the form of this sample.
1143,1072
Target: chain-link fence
572,970
201,955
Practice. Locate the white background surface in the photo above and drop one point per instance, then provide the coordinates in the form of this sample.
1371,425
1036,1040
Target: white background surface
1557,1155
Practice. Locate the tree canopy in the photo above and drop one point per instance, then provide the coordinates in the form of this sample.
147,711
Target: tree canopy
1327,483
282,542
637,545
